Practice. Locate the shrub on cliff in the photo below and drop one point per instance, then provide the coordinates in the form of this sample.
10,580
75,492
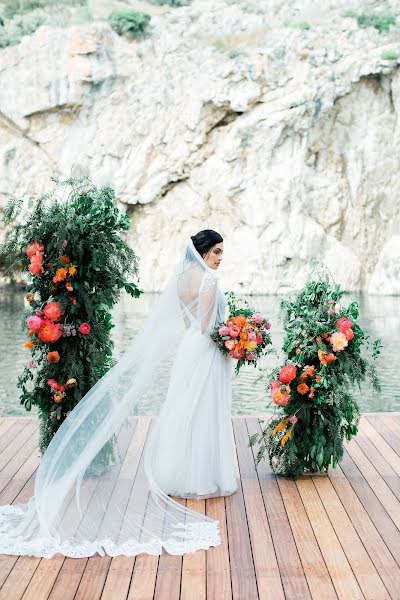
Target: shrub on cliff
130,22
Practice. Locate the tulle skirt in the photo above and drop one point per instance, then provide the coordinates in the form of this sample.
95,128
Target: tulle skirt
193,444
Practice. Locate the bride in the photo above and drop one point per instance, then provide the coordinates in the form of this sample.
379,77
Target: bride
92,491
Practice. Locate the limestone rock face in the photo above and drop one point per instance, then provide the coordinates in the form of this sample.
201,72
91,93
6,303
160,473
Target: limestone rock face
228,116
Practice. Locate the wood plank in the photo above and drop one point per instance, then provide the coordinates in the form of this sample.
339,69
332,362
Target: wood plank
217,559
384,448
378,461
315,569
362,566
68,579
387,428
382,521
293,579
265,563
243,575
13,439
366,530
193,580
376,482
168,581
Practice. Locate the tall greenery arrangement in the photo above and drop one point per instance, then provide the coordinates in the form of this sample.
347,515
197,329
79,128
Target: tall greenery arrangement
324,347
68,243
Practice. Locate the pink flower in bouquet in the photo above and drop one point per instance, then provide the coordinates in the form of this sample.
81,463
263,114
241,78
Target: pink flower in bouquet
238,353
259,338
36,267
34,322
267,326
84,328
31,364
293,419
287,373
39,313
223,331
349,333
53,311
250,355
258,318
252,336
344,323
52,381
331,302
230,344
338,341
34,248
331,311
65,243
234,331
49,331
281,399
274,385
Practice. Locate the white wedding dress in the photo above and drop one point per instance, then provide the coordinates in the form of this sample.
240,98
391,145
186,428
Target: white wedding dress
194,446
93,491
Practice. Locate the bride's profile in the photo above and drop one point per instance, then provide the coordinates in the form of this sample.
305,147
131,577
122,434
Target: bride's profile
92,493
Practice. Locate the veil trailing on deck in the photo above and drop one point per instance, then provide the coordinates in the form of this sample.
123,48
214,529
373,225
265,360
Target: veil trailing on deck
93,492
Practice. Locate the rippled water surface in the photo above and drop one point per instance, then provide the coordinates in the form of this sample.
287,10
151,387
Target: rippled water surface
380,317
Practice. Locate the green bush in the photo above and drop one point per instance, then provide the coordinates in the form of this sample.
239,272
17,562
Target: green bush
389,55
380,22
14,7
131,22
304,25
19,26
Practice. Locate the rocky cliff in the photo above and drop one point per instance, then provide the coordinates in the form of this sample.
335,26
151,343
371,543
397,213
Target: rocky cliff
277,126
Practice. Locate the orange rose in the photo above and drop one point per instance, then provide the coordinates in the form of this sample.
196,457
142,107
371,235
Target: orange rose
53,357
29,344
310,371
65,259
303,377
302,388
322,357
330,358
318,378
60,275
244,335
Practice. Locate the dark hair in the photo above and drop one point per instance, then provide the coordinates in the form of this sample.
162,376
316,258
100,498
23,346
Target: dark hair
205,239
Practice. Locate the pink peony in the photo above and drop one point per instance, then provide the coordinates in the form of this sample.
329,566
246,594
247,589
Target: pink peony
331,302
258,318
349,333
280,399
267,326
36,267
34,322
237,354
344,323
34,248
53,311
259,338
275,385
84,328
293,419
287,373
234,331
250,355
252,336
223,331
331,311
230,344
52,381
338,341
49,332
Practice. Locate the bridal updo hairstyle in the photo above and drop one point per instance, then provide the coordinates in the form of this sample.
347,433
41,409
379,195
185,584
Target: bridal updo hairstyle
205,239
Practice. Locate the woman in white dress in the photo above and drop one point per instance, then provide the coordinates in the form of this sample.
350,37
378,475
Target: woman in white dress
93,493
193,435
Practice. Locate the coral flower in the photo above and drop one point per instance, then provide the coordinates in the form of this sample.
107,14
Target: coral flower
84,328
293,419
230,344
250,356
65,259
330,358
259,338
302,388
36,267
287,373
223,331
34,322
252,336
234,331
53,311
60,275
317,378
69,286
338,341
349,333
53,357
344,323
29,344
310,371
281,399
322,357
237,353
274,386
49,331
58,397
34,248
72,270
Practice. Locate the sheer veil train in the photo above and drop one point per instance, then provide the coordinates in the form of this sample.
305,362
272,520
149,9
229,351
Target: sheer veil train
90,495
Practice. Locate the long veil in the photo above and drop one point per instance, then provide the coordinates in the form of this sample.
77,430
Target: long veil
93,492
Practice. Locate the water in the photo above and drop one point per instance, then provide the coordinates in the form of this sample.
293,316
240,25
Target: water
380,317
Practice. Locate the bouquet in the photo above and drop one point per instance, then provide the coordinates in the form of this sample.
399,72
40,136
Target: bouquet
244,335
324,347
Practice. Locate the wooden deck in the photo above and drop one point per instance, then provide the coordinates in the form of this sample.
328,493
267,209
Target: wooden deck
321,537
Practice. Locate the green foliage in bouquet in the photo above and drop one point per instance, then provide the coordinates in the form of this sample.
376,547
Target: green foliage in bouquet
69,245
245,335
325,357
